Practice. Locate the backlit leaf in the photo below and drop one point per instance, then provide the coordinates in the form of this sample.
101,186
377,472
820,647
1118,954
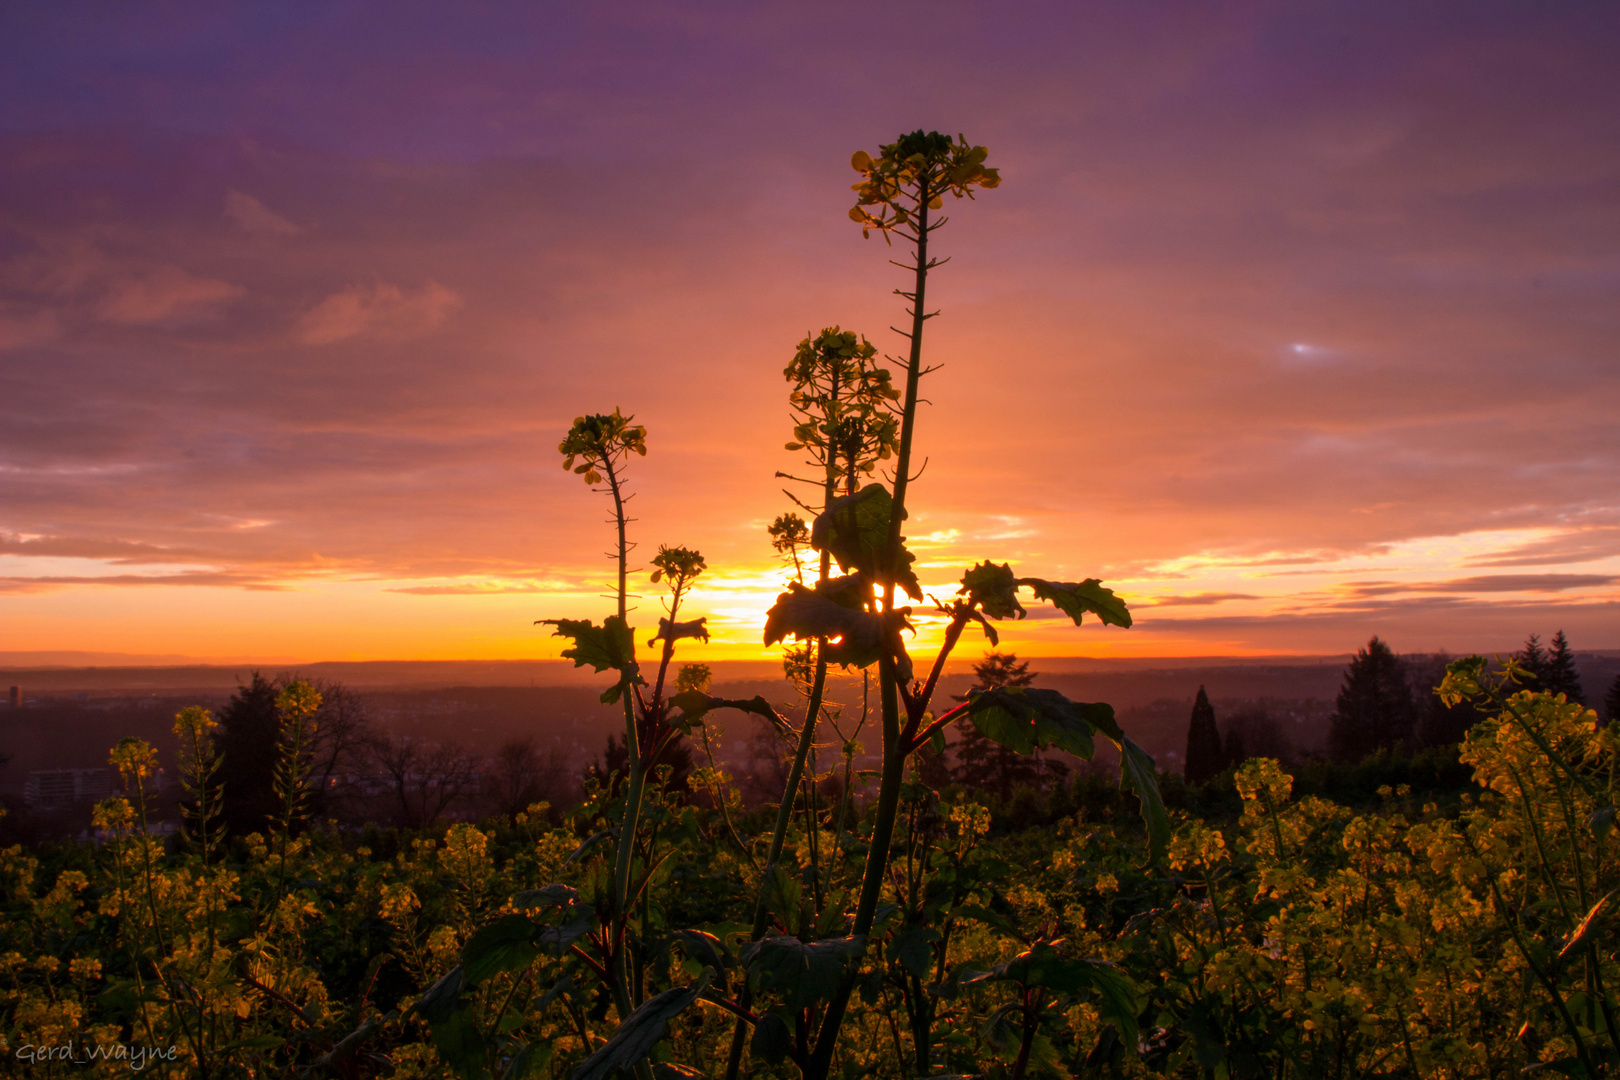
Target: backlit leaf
1077,598
855,530
611,645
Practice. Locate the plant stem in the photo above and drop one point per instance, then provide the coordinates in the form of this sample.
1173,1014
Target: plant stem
620,971
894,752
784,816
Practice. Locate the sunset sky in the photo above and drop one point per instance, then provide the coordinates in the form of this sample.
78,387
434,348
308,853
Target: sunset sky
1295,322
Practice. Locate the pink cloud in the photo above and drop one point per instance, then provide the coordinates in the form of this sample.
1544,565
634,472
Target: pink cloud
382,310
161,293
253,216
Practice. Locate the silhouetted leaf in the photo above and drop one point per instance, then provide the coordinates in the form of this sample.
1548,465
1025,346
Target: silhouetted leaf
994,589
854,529
695,703
611,645
1076,598
640,1033
772,1040
555,937
859,636
803,973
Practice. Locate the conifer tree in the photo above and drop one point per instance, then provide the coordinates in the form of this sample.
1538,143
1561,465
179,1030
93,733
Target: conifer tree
1374,709
1204,754
981,762
1559,675
246,739
1611,700
1533,658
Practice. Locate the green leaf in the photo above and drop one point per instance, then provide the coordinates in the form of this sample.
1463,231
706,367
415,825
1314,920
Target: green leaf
706,949
440,999
854,529
803,973
611,645
507,944
1045,966
1023,718
1138,770
913,949
1077,598
988,917
553,938
460,1043
553,895
993,589
640,1033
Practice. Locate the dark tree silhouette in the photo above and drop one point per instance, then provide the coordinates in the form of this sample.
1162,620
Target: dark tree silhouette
249,726
1234,753
1437,723
1254,732
1533,658
1204,754
520,776
1559,675
980,762
1611,700
1374,709
424,781
340,749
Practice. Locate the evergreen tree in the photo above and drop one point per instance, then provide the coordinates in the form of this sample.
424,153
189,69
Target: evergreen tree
249,728
980,762
1611,700
1438,724
1204,758
1533,658
1559,675
1374,709
1234,753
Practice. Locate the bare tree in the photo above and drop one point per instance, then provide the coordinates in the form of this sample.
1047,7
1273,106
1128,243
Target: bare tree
519,776
423,780
341,750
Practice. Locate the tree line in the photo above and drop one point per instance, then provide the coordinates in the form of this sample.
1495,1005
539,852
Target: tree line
1386,704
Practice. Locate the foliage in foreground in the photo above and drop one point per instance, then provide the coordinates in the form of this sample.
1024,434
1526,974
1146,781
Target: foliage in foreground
1299,939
